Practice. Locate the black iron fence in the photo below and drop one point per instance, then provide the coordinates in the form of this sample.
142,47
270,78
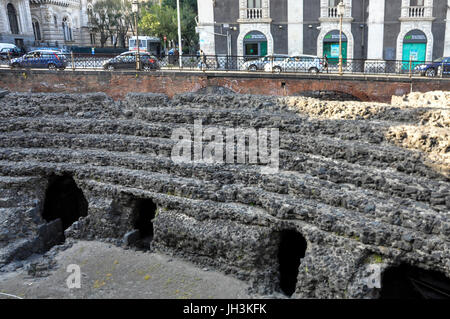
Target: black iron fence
276,64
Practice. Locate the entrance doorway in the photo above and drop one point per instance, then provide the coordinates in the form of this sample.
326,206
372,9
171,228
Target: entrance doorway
255,44
414,48
331,47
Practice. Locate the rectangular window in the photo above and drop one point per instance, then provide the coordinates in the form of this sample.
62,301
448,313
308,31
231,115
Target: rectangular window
251,49
333,3
253,3
417,3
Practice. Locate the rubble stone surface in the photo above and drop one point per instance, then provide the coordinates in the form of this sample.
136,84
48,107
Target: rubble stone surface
364,183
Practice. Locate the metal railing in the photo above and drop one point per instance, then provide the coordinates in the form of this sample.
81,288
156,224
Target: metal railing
223,63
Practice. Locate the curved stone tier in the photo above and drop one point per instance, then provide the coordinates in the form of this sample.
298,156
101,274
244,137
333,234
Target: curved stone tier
364,183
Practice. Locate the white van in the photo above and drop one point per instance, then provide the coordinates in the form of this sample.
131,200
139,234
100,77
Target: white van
8,46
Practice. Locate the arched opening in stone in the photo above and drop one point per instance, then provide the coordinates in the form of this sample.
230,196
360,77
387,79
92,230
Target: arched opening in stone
292,248
408,282
144,212
64,200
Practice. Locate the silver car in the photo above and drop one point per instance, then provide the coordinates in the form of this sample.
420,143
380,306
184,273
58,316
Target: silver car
254,65
301,63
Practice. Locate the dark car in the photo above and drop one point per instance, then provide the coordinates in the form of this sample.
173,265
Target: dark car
441,65
127,60
40,59
10,53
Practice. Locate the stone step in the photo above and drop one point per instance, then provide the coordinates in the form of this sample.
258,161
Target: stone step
325,174
85,106
341,222
11,183
380,156
348,130
398,211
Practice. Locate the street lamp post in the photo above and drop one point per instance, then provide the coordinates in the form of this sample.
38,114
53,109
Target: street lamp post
135,9
180,47
341,12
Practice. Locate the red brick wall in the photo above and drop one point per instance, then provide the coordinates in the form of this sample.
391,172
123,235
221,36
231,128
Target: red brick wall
118,84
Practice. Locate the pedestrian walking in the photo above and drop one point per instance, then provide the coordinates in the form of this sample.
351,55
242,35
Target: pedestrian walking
203,60
325,62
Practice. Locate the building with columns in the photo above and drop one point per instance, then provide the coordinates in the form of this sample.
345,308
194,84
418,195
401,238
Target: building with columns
372,29
15,22
55,23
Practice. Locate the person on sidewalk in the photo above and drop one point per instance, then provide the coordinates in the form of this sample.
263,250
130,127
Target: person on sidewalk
325,63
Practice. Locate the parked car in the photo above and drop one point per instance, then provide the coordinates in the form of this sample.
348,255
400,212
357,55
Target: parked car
258,64
8,45
9,53
302,63
50,59
434,68
127,60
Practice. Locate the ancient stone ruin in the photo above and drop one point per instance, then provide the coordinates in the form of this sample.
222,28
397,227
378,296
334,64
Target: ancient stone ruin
358,209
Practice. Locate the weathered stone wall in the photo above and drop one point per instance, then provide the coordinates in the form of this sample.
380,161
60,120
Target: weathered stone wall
118,84
353,180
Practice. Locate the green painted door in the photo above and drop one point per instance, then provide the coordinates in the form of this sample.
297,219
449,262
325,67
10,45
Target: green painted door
331,49
263,48
416,52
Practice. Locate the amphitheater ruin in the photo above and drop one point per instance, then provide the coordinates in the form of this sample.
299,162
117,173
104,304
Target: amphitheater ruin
363,188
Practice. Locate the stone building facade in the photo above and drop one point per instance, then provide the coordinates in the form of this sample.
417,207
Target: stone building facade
55,23
372,29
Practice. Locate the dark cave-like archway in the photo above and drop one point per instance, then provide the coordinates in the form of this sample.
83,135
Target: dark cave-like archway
292,248
144,212
64,200
408,282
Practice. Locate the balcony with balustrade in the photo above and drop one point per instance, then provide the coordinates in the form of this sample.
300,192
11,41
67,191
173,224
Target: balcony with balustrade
333,12
255,15
417,13
330,14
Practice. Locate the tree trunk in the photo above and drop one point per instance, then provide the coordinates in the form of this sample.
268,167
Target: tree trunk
103,40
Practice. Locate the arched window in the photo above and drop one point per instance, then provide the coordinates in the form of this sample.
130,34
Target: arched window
12,16
67,29
36,30
55,21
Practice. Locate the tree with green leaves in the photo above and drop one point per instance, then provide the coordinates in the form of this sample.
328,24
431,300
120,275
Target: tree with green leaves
173,3
161,21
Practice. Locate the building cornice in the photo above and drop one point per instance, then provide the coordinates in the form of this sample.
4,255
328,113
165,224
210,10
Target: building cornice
327,19
262,20
59,3
418,19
